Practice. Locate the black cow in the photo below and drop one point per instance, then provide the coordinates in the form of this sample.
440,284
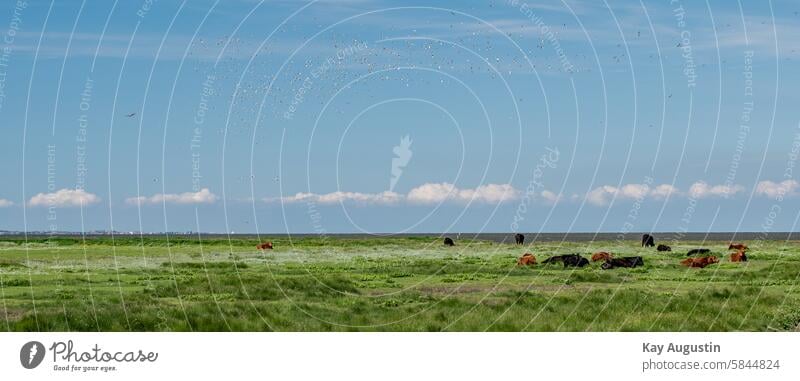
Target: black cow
697,251
519,239
648,241
622,262
663,248
554,259
449,241
574,260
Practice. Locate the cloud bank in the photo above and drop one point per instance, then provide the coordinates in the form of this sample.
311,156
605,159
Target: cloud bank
426,194
601,196
435,193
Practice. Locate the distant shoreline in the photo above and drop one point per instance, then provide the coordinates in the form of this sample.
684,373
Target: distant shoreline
496,237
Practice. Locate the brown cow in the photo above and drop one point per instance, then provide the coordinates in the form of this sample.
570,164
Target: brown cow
526,259
737,246
739,256
699,262
265,246
601,256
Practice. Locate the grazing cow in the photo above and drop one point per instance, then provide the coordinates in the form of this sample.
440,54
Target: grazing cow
264,246
449,241
526,259
573,260
519,239
698,251
699,262
739,256
663,248
601,256
737,246
622,262
648,241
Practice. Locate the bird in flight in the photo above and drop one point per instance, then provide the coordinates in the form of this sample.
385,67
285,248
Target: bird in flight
130,115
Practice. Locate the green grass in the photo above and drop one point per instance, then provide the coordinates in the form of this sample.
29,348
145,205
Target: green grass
389,284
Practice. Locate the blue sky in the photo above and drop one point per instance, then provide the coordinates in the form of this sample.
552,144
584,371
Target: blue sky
276,116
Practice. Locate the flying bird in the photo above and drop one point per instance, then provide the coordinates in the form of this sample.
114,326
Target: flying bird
130,115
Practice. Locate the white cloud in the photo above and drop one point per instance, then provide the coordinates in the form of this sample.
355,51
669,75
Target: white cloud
663,191
204,196
635,191
490,193
701,189
381,198
602,195
435,193
64,198
431,193
337,197
773,189
5,203
551,197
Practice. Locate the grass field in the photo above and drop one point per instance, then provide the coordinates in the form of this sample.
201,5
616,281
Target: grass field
393,284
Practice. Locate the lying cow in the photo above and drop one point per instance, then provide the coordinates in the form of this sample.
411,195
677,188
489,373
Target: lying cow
648,241
698,251
555,258
526,260
519,239
737,246
601,256
573,260
622,262
739,256
699,262
264,246
663,248
449,241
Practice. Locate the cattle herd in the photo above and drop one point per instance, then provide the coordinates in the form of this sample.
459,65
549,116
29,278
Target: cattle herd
698,258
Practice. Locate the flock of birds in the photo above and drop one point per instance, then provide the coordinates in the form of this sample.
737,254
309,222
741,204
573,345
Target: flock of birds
449,43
